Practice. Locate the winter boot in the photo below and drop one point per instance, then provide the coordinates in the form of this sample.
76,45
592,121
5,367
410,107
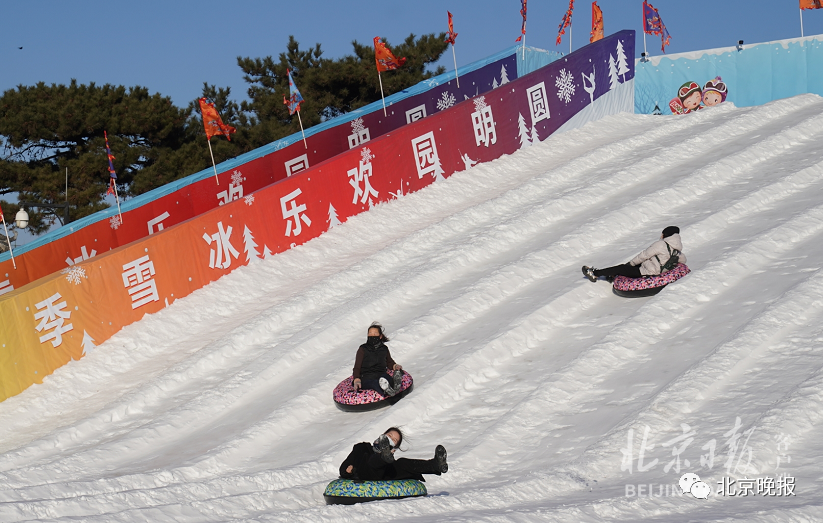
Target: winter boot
440,459
384,384
383,447
588,272
398,380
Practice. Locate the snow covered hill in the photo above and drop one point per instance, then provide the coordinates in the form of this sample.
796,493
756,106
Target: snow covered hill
557,400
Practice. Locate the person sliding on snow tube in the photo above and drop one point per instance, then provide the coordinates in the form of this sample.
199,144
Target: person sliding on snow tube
371,362
661,256
375,461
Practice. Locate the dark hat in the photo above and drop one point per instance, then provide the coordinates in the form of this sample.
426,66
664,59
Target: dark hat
671,229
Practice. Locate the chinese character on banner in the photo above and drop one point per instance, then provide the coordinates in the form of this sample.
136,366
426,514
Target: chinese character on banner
137,279
359,133
538,103
362,174
220,256
294,212
685,439
52,316
483,123
296,165
425,153
234,192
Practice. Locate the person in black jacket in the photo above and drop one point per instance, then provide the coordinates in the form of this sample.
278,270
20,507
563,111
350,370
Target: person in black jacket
375,461
370,365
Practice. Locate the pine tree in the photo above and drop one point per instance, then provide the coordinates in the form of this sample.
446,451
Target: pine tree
523,131
504,79
614,81
494,84
87,343
622,65
438,170
249,246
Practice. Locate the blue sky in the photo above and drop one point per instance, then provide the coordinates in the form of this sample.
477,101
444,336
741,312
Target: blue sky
172,47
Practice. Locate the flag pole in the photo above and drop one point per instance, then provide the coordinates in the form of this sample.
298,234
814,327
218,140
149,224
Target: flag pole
301,129
644,45
8,240
208,141
117,198
801,23
570,37
524,40
382,96
455,67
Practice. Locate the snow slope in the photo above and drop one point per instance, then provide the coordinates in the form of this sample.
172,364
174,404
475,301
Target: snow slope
219,407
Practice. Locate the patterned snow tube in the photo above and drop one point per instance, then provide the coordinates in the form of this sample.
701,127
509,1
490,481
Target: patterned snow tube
647,285
346,398
349,492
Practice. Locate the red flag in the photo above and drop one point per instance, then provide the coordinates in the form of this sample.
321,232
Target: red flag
212,123
452,34
597,23
811,4
523,14
566,22
384,59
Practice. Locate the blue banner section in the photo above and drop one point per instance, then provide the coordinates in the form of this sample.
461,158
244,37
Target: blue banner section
752,74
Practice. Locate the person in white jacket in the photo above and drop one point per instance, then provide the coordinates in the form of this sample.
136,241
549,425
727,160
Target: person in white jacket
649,262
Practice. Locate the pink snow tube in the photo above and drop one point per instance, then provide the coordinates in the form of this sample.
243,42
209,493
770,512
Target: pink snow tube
648,285
346,398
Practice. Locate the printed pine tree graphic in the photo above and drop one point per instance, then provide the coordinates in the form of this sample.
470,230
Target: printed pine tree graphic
614,81
438,170
267,253
494,84
87,343
333,220
504,79
250,246
622,65
535,137
523,131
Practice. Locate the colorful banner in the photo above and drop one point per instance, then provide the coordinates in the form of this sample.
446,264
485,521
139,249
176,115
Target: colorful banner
653,25
58,319
755,75
212,122
811,4
184,199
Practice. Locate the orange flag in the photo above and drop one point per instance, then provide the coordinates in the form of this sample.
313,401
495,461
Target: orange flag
811,4
384,59
597,23
212,123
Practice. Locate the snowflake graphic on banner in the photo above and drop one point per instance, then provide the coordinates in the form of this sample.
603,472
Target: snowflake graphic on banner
74,274
565,85
480,103
446,100
115,221
357,125
249,199
366,155
237,178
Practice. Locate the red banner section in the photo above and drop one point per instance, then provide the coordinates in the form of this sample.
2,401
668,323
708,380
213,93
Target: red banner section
184,199
50,322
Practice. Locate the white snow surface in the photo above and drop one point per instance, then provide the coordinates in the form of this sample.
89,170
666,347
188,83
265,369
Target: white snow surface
219,407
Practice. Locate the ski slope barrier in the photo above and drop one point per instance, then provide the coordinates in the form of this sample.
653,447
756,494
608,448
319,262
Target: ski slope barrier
50,322
754,74
181,200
